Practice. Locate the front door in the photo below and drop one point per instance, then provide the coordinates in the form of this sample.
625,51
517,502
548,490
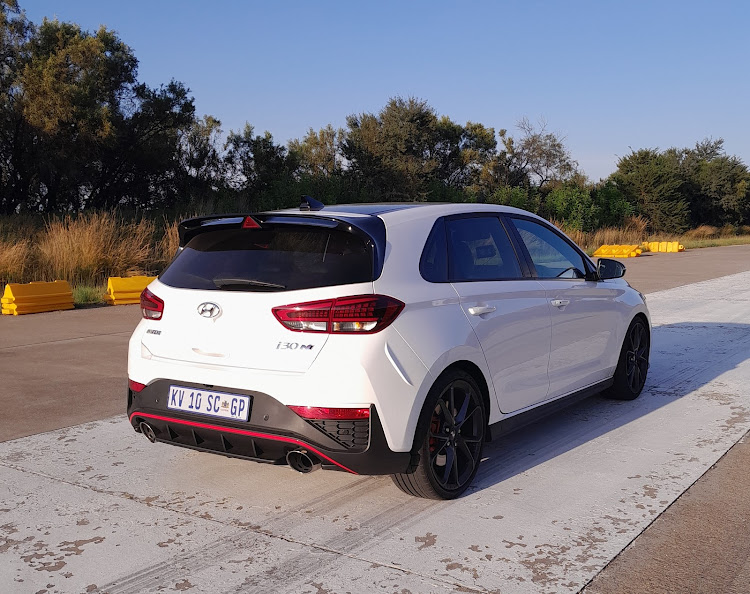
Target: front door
583,311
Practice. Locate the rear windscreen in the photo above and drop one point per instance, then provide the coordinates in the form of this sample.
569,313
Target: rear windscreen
279,258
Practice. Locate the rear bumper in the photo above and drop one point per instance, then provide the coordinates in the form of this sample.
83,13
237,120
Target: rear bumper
272,431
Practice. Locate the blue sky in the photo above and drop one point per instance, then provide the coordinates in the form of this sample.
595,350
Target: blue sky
607,75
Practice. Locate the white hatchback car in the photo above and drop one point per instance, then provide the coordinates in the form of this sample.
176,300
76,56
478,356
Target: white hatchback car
378,338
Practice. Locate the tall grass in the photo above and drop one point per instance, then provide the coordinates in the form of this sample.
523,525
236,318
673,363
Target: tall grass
16,261
91,247
633,232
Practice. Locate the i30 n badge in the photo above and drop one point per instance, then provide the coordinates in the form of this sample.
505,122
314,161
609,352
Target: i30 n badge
378,338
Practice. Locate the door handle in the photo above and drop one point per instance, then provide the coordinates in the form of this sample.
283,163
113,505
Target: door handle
478,310
560,302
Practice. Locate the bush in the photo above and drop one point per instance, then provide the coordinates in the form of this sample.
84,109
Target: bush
515,197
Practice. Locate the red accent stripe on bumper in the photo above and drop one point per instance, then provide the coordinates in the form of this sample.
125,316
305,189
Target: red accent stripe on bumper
242,432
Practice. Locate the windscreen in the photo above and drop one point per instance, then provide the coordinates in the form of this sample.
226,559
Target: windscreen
275,258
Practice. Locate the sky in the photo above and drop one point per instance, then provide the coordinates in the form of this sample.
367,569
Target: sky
607,75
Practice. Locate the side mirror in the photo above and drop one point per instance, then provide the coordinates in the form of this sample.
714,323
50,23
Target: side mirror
607,269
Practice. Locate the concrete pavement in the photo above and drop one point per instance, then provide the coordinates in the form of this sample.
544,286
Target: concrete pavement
94,507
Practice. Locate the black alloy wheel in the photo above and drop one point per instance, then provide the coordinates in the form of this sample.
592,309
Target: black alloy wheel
636,358
632,368
453,423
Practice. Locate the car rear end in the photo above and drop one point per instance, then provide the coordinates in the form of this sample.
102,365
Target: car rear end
264,340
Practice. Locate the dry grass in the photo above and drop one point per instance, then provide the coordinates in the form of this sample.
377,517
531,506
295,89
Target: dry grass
16,260
166,248
91,247
635,233
702,232
719,241
632,233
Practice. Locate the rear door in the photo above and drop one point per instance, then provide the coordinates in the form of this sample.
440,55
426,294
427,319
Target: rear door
220,290
509,313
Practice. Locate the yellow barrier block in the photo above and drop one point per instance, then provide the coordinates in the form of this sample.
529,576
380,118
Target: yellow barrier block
126,291
29,298
618,251
664,246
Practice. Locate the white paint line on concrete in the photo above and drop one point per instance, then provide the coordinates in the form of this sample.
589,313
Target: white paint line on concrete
97,507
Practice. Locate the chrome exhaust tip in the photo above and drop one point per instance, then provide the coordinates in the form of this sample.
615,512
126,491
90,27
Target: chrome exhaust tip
302,461
148,431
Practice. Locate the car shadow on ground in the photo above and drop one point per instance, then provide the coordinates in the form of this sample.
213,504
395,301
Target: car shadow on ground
684,357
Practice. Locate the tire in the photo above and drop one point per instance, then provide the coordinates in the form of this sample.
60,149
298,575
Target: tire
448,440
632,367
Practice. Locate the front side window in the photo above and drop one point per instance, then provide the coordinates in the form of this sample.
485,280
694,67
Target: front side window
553,257
479,249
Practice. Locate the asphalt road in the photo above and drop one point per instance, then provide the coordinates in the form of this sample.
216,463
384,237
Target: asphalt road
88,505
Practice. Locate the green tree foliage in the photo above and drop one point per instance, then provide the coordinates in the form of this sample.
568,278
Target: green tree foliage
678,188
201,163
394,153
258,168
79,131
715,184
650,181
319,152
17,158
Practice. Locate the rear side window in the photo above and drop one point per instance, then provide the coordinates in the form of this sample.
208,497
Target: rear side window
479,249
277,258
434,263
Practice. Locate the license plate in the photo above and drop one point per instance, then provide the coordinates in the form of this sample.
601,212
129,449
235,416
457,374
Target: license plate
212,404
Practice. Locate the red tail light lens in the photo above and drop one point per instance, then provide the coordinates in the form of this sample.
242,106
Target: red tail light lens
361,314
321,412
152,307
135,386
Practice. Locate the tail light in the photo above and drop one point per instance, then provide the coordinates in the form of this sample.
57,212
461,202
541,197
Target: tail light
338,414
361,314
152,307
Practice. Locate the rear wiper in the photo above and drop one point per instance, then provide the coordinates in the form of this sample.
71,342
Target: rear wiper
228,283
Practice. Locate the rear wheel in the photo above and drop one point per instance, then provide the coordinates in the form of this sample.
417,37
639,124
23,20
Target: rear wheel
450,436
632,367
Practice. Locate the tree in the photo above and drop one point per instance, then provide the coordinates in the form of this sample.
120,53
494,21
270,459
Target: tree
319,153
200,159
76,128
72,85
542,155
256,165
649,180
16,148
394,153
715,184
141,168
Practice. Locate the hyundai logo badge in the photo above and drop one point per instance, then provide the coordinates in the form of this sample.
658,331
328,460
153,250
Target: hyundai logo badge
209,310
